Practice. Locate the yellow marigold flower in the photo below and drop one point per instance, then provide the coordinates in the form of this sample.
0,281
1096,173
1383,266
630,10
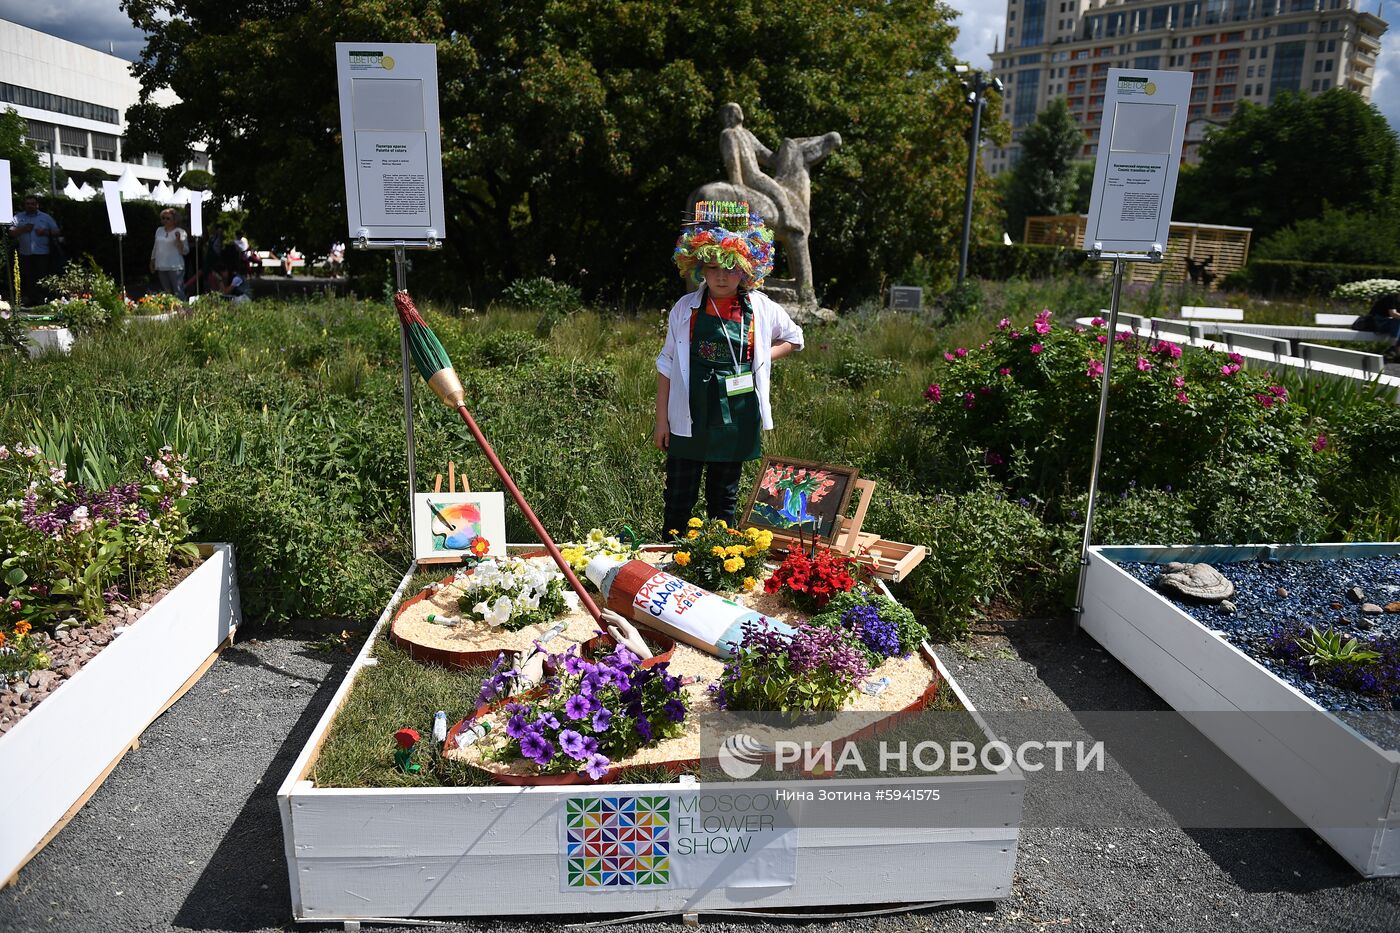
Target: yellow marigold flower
749,583
672,532
22,627
717,551
752,532
692,533
723,523
751,551
695,523
734,550
733,564
683,558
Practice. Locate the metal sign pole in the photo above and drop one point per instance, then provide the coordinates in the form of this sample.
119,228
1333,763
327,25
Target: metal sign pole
121,265
1098,437
401,284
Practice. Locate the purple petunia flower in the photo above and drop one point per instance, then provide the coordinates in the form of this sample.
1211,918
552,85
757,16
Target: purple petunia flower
577,706
516,727
547,721
601,719
537,748
644,728
596,766
674,710
590,745
572,744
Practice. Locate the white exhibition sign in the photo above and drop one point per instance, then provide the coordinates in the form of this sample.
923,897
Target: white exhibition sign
391,140
1144,123
7,204
197,213
112,192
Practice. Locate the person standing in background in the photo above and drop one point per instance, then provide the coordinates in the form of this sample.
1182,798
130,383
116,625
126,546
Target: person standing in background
172,245
36,233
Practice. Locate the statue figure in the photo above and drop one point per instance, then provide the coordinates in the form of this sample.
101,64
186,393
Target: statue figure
782,195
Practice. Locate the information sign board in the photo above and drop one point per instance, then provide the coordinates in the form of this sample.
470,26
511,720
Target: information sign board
391,141
1144,123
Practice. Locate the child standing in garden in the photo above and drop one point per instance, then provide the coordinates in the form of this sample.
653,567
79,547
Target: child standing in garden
713,372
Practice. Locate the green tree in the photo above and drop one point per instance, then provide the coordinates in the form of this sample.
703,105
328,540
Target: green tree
1272,166
1044,180
577,130
27,173
1362,237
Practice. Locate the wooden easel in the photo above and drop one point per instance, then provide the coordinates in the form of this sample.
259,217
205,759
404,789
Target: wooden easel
437,487
889,560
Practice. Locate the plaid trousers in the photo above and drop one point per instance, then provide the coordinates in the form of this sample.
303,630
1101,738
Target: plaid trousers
683,488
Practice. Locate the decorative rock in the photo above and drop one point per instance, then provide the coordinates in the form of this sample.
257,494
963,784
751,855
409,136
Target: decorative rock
42,680
1371,609
1365,623
1283,593
1336,605
1357,594
1175,566
1227,606
1198,581
1392,607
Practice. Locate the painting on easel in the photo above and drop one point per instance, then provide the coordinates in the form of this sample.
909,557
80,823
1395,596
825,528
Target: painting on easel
795,497
448,526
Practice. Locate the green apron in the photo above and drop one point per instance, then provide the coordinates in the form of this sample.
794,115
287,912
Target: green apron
724,428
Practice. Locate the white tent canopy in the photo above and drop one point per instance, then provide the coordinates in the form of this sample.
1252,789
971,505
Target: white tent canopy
131,187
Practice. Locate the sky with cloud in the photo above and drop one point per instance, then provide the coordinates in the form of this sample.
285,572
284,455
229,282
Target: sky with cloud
101,24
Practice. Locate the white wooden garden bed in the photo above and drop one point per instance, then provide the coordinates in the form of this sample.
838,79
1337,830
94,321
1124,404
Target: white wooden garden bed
1338,782
57,755
395,853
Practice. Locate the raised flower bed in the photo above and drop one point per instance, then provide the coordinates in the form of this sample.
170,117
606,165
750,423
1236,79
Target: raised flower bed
99,633
1294,727
507,847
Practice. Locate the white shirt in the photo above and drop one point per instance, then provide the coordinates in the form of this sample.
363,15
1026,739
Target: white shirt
771,323
166,251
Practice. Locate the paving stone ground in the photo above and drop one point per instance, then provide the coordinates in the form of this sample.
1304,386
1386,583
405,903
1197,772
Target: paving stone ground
185,834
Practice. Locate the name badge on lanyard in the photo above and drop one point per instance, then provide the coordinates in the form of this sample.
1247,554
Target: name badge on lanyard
741,384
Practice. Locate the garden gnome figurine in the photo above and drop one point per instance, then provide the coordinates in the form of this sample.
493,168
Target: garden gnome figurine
403,758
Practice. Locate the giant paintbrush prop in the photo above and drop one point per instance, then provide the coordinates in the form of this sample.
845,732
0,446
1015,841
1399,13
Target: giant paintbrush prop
436,368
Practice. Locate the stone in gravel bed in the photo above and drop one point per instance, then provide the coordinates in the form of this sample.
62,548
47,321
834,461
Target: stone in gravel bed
1198,581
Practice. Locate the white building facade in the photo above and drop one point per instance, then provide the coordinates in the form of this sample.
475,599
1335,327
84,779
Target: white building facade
1237,50
74,99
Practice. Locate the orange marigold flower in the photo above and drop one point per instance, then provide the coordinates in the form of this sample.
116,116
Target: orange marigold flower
2,639
22,627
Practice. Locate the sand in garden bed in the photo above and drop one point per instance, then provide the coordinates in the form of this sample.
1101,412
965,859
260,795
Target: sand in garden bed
412,623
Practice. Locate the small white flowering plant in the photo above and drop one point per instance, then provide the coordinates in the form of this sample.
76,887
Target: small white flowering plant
512,592
1367,289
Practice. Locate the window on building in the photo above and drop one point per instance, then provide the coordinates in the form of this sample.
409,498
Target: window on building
1033,24
1198,94
1225,93
1158,17
1227,75
1287,73
1026,98
72,142
1329,65
104,147
129,156
1149,62
1253,53
55,103
1293,29
155,160
39,135
1264,52
1301,6
1229,56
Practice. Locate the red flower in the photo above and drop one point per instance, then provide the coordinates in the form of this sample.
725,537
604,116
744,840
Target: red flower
480,546
406,738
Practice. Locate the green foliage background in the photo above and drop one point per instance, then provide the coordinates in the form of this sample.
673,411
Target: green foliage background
576,131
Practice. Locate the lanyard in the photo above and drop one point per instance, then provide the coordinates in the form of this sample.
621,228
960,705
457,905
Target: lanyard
725,331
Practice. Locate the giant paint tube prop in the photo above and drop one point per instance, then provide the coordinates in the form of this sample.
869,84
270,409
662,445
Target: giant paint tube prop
665,602
435,367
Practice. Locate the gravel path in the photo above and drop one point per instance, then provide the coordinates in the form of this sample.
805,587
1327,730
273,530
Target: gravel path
185,834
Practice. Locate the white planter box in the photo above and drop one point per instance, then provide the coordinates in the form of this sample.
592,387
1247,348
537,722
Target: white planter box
1335,780
360,854
151,318
57,755
49,340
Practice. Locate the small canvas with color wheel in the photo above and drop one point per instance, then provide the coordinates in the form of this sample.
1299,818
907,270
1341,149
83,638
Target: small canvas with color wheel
449,526
800,498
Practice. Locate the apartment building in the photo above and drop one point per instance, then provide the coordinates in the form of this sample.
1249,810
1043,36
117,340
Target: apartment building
1236,50
74,99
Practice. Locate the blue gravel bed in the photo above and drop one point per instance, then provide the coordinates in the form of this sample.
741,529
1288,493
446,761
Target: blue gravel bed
1270,592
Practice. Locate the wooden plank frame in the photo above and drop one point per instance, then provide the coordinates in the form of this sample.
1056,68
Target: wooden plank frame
787,538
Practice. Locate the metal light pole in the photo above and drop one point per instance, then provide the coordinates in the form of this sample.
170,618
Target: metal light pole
976,83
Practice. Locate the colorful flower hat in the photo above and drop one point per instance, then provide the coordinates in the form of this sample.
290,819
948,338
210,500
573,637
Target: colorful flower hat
724,232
